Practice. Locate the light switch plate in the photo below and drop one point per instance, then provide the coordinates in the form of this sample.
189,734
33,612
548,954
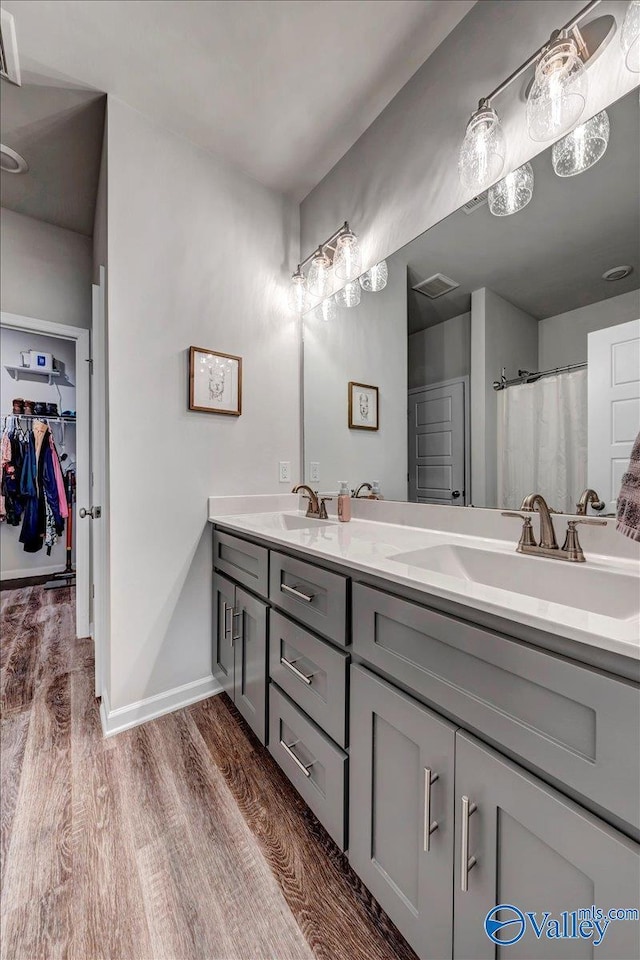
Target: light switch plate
285,471
314,471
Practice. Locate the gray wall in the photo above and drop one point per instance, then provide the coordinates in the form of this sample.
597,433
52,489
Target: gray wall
563,339
441,352
46,271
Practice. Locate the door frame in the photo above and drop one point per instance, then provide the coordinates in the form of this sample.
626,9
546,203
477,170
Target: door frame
467,436
81,337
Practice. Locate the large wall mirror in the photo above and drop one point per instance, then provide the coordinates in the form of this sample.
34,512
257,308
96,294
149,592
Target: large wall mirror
504,350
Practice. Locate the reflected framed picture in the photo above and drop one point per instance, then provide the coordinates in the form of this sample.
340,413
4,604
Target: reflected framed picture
363,406
215,382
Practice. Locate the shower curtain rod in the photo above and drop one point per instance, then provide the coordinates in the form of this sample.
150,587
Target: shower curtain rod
525,377
33,416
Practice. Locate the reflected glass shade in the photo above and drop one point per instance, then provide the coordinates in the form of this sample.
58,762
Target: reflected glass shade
581,148
512,193
350,295
319,276
297,294
630,37
327,310
483,150
347,261
558,93
375,279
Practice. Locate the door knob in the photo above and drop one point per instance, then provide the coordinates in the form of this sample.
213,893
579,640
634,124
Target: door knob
95,513
455,494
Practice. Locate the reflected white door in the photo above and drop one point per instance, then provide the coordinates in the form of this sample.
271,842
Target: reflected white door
613,406
437,444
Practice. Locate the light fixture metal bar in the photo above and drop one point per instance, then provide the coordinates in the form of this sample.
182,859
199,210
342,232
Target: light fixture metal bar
534,57
327,244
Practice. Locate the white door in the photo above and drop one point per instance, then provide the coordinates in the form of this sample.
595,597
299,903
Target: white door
613,406
98,481
437,444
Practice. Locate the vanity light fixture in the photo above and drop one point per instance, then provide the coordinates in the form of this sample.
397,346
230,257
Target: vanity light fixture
375,278
581,148
298,292
319,279
559,92
339,254
347,260
483,149
512,193
326,310
630,37
349,296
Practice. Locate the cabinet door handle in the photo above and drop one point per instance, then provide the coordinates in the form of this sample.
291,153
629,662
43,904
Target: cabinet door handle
297,593
428,826
227,628
237,616
467,862
298,673
304,767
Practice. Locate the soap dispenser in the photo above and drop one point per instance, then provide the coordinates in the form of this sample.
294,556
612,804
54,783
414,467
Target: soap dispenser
344,502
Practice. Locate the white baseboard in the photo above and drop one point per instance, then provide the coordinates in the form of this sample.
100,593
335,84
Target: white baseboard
123,718
29,572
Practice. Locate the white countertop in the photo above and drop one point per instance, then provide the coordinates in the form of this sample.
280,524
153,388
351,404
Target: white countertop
370,546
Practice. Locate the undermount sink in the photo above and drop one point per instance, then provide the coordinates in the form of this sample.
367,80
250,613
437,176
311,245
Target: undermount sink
290,521
615,595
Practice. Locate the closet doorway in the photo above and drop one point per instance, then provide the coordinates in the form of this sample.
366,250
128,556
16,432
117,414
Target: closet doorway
61,398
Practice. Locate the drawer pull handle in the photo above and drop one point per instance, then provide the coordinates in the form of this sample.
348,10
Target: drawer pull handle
429,827
305,767
294,670
296,593
227,628
467,862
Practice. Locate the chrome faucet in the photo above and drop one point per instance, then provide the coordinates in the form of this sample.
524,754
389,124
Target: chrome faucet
356,493
548,546
587,497
317,505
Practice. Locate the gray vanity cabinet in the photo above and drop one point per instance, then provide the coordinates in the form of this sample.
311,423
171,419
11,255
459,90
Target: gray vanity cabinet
538,851
240,655
401,784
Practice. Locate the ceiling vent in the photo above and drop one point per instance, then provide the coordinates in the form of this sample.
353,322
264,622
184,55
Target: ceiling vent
476,202
436,286
9,64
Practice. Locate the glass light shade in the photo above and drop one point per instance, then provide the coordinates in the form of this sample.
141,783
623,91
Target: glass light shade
558,93
483,150
375,279
512,193
298,293
319,276
349,295
630,37
581,148
327,310
347,261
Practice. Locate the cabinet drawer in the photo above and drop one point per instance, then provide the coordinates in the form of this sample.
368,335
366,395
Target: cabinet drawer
245,562
313,764
315,596
577,725
311,672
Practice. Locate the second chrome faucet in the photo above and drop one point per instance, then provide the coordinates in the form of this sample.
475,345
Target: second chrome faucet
548,546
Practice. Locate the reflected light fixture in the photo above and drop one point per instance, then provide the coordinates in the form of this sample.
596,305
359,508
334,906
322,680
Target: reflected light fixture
349,295
326,310
512,193
375,279
319,278
347,260
630,37
483,150
298,292
559,91
581,148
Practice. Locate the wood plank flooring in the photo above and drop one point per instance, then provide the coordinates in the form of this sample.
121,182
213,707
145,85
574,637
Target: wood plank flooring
177,840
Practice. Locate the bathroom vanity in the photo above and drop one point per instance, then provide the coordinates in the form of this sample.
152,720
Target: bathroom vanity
465,745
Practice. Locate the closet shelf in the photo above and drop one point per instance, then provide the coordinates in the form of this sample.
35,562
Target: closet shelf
26,373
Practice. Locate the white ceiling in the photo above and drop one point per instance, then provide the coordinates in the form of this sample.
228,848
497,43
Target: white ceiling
281,88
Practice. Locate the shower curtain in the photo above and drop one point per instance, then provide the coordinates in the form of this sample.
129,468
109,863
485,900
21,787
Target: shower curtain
542,441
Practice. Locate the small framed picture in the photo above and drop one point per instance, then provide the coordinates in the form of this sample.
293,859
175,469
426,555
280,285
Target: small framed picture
215,382
363,406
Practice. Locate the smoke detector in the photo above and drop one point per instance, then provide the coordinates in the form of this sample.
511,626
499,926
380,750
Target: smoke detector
12,162
436,286
617,273
9,64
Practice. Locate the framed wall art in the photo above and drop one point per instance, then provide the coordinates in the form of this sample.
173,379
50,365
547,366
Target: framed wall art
363,406
215,382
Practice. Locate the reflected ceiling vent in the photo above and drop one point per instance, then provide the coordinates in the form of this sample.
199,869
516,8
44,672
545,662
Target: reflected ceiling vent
9,64
436,286
12,162
617,273
476,202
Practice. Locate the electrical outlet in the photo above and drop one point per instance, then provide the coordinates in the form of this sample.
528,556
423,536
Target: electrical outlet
314,471
285,471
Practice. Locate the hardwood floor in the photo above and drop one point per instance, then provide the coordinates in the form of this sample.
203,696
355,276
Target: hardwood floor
180,839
